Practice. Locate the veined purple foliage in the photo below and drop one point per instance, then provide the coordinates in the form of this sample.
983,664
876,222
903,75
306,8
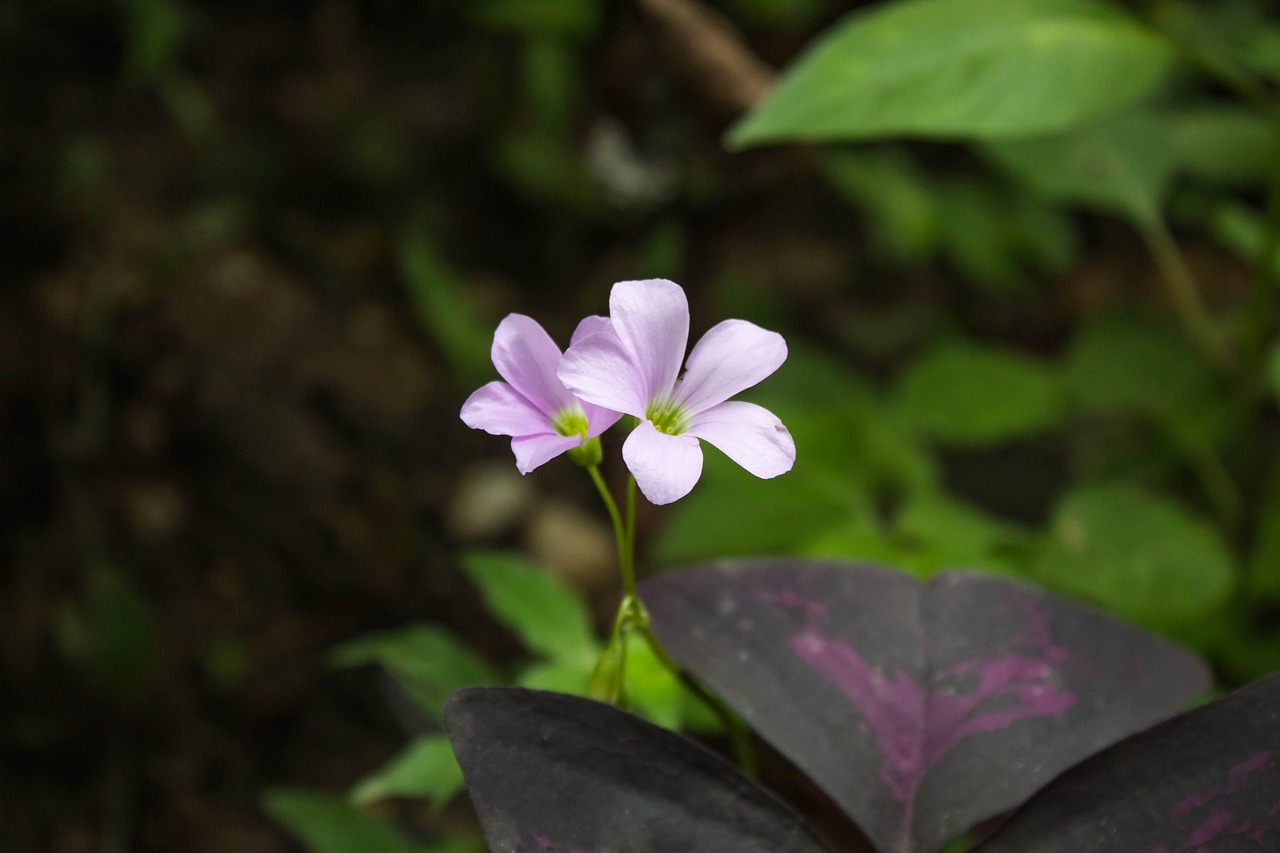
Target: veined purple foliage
1205,781
921,709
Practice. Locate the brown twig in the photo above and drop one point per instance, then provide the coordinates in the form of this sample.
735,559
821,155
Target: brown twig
708,53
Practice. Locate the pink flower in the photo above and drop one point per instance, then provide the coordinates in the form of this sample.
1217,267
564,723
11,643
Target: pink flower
632,365
533,406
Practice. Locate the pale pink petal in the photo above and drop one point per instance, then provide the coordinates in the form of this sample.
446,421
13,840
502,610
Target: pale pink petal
599,370
749,435
599,418
526,357
651,318
590,326
730,357
666,467
533,450
499,409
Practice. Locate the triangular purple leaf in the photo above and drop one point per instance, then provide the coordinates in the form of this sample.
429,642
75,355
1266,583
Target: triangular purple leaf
552,773
1207,780
921,709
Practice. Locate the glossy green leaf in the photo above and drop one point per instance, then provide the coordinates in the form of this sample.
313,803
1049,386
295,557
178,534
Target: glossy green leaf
1122,164
970,394
426,660
425,768
331,825
549,617
1144,557
961,69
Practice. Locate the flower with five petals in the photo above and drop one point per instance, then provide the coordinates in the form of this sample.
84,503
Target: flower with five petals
532,406
631,364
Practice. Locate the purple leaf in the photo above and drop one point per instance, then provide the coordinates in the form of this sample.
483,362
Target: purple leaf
921,709
1207,780
552,773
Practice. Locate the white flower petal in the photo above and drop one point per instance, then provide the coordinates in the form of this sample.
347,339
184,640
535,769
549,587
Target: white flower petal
666,467
534,450
730,357
748,434
651,318
526,357
499,409
599,370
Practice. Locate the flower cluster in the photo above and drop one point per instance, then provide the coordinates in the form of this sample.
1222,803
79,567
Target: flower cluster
629,363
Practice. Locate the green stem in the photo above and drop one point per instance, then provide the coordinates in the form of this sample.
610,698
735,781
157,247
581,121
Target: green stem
1261,317
1182,289
623,533
734,727
607,679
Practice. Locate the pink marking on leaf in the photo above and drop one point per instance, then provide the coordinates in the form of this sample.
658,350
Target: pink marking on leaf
1239,775
1208,830
914,729
1194,801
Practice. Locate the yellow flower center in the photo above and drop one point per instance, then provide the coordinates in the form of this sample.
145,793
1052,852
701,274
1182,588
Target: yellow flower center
570,420
667,416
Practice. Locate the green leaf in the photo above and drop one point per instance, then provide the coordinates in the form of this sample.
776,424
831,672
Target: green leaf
1146,558
425,768
1224,144
550,618
1132,365
1122,164
961,69
442,305
1264,562
111,630
970,394
427,661
331,825
1273,369
898,200
944,532
576,19
562,676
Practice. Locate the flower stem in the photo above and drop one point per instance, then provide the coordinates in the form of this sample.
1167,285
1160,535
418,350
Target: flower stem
608,678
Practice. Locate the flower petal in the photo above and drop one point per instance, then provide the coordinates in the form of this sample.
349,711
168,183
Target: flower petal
748,434
590,326
599,418
526,357
599,370
651,318
730,357
666,467
499,409
533,450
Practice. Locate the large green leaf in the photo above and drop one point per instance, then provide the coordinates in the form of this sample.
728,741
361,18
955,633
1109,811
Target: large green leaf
330,825
1144,557
970,394
550,618
425,768
1121,164
426,660
961,69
